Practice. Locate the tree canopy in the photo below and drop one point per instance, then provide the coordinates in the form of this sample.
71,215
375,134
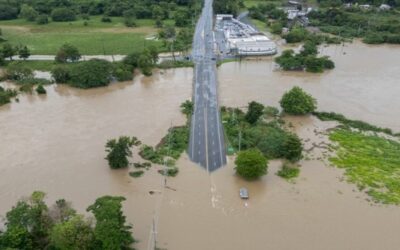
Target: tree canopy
298,102
251,164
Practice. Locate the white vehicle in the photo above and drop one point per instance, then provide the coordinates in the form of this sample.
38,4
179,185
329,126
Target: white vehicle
244,194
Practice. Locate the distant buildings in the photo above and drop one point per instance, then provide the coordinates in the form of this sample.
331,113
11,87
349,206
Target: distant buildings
242,39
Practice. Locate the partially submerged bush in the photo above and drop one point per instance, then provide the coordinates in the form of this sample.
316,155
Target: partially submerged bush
298,102
288,172
251,164
41,90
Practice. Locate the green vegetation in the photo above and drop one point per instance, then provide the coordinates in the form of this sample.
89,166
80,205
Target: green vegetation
90,74
228,6
288,172
170,171
31,224
92,26
119,150
187,108
67,53
40,89
251,164
307,59
171,146
371,162
254,112
6,95
111,231
373,25
136,174
267,136
36,65
363,126
169,64
298,102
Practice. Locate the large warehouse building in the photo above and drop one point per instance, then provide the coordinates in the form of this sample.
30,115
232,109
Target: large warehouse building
242,39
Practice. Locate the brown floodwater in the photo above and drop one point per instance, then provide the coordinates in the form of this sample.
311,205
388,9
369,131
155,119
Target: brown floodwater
364,85
56,144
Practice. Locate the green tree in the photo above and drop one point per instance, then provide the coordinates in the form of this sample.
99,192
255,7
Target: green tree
24,52
28,13
145,63
30,220
153,52
298,102
67,53
228,6
75,233
91,74
292,147
63,14
119,151
251,164
187,108
8,51
254,112
111,230
132,59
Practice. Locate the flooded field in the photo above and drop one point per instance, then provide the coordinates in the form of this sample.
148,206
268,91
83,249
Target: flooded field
56,144
364,85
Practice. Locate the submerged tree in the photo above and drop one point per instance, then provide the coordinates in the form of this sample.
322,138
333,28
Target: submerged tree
251,164
111,232
254,112
119,151
298,102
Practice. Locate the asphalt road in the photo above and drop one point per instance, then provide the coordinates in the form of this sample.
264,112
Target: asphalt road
206,146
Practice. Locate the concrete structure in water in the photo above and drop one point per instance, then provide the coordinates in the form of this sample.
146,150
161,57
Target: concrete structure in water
242,39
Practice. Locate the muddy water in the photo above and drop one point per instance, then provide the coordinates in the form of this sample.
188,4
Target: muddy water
56,144
364,85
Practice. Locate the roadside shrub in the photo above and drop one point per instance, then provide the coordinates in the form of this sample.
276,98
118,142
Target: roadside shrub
298,102
63,15
68,53
251,164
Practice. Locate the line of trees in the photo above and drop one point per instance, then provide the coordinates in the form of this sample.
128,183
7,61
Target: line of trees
307,59
60,10
32,224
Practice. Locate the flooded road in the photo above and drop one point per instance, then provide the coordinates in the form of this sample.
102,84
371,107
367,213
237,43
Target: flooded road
56,144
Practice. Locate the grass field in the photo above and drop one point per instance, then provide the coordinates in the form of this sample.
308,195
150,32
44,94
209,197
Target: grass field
96,38
371,162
